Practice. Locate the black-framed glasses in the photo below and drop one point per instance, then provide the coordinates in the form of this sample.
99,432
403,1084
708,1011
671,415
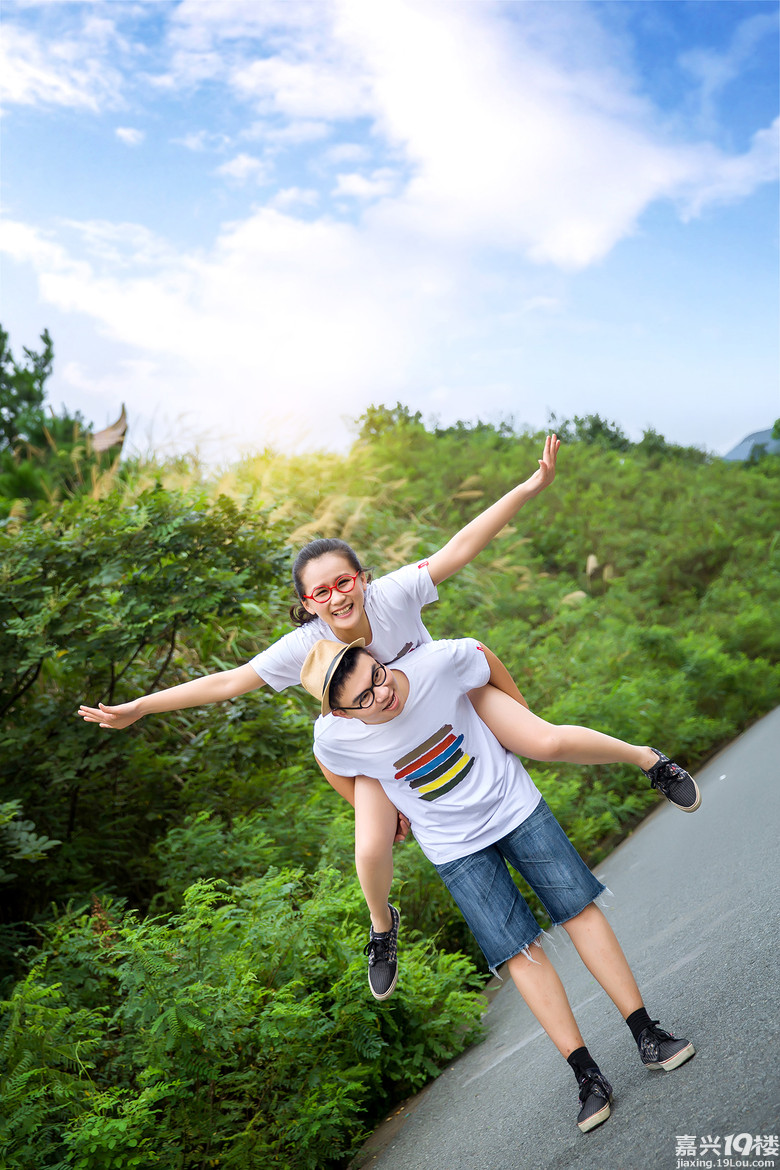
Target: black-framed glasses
366,699
324,593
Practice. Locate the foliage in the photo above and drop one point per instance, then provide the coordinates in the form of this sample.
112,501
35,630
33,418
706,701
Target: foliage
22,391
19,840
100,601
236,1034
591,428
379,420
43,457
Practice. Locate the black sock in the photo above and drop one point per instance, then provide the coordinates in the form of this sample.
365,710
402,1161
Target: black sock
638,1021
580,1061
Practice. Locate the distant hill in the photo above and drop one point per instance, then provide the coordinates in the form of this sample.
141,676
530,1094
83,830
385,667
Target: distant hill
743,450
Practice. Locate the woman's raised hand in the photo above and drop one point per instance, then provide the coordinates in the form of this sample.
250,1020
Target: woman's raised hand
546,473
114,718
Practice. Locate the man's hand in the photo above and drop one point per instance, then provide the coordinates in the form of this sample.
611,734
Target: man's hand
403,829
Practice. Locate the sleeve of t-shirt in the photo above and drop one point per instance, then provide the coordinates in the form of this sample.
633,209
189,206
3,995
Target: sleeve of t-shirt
469,662
280,664
330,751
414,582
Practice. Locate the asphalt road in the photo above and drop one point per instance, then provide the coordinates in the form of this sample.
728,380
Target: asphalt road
695,908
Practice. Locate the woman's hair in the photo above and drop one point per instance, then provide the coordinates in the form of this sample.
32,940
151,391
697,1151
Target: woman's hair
299,615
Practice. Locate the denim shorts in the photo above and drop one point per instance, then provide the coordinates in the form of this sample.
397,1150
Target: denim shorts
495,911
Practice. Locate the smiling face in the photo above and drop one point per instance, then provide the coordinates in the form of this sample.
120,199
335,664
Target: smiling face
344,610
366,677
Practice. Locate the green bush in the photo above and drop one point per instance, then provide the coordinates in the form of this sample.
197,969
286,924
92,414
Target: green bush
235,1034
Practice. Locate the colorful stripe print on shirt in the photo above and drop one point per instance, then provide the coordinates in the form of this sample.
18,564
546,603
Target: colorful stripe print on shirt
437,765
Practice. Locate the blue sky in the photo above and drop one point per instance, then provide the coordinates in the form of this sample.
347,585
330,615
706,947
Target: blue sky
248,221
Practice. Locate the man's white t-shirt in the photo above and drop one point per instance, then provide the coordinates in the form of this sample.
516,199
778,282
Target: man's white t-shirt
393,605
437,761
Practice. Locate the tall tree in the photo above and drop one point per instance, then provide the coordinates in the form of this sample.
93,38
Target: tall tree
22,391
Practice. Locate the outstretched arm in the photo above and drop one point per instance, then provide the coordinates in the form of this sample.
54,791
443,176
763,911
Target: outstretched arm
465,545
211,688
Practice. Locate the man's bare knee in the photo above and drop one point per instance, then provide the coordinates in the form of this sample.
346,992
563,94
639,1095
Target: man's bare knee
590,911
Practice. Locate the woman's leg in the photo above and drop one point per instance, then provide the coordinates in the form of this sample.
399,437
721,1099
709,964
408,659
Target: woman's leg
376,820
602,954
524,733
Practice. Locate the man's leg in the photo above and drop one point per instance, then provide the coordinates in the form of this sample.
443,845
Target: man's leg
540,851
602,954
540,986
502,923
376,820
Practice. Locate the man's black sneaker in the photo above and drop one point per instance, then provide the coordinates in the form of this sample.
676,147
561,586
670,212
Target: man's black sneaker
674,782
595,1099
660,1049
382,951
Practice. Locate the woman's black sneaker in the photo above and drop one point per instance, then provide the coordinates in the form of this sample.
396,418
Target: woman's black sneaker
677,785
382,951
660,1049
595,1099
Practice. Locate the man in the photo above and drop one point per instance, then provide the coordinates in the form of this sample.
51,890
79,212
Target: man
474,808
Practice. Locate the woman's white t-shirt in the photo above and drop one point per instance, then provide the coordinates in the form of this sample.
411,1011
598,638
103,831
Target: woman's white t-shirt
436,760
393,605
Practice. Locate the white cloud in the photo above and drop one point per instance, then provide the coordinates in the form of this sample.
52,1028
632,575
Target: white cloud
520,126
714,71
56,72
22,242
290,197
243,167
130,136
303,89
527,141
345,152
277,330
201,140
380,182
120,245
729,178
291,134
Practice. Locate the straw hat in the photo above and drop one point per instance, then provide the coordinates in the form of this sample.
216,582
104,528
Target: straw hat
320,667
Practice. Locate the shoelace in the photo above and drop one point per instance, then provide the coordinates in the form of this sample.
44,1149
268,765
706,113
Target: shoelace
378,948
667,771
594,1083
653,1037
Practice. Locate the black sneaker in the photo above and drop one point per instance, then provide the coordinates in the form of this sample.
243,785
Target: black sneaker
674,782
660,1049
595,1099
382,951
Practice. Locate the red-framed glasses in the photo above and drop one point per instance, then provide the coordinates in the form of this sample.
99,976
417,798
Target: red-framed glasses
323,593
